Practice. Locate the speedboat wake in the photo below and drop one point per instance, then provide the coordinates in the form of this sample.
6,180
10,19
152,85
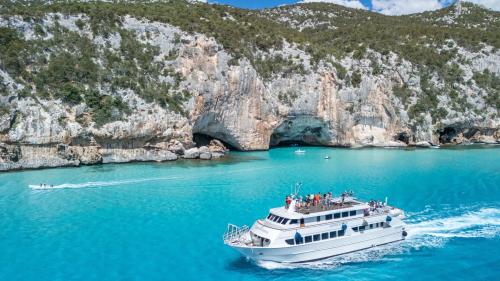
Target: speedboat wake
95,184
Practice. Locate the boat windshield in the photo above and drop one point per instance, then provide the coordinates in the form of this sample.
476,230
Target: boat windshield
259,241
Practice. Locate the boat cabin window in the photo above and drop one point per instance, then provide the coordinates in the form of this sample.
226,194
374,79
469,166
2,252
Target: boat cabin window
371,225
328,217
352,213
269,216
275,218
318,237
294,221
284,221
361,228
280,220
318,218
310,219
345,214
355,229
336,216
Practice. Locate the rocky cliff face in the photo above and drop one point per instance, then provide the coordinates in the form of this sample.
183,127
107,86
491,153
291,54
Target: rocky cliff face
377,99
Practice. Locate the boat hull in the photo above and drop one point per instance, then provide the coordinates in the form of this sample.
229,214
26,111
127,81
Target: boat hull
324,249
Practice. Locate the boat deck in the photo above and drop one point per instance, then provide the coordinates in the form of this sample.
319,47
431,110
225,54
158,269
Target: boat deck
323,208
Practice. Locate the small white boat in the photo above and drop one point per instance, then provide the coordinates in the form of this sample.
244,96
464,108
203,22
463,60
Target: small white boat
41,186
299,151
327,157
332,226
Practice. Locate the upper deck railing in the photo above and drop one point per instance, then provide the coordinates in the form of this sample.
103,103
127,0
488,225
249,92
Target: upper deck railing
323,204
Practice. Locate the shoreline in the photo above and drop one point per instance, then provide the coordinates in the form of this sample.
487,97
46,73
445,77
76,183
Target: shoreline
227,156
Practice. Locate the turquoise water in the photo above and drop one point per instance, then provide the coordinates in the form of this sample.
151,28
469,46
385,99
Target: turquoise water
164,221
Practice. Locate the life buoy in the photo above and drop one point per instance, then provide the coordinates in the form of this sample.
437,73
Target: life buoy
298,238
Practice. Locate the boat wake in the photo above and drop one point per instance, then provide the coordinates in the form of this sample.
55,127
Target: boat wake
423,232
484,223
131,181
96,183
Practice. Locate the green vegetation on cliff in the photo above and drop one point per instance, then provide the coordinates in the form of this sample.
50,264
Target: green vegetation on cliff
68,66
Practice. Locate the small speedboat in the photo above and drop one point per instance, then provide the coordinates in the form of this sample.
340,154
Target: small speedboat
41,186
299,151
327,157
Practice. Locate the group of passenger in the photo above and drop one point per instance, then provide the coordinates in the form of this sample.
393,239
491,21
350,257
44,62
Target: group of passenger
374,204
313,200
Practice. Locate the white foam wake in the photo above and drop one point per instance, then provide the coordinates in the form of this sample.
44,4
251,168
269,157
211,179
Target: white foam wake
97,183
483,223
423,232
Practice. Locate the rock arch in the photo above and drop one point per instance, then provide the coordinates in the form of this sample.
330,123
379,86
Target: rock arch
206,127
302,129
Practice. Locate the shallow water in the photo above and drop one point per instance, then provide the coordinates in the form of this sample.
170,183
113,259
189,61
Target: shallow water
164,221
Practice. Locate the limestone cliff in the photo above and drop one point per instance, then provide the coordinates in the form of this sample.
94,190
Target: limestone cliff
154,91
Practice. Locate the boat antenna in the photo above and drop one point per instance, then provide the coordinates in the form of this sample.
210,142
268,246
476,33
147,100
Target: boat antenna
297,188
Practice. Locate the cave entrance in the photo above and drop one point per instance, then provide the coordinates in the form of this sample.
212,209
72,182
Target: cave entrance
204,140
285,143
301,130
446,135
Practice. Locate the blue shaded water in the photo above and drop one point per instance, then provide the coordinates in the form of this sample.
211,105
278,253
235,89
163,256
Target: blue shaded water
164,221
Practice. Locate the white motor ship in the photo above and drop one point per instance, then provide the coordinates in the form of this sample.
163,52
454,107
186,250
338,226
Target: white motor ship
331,226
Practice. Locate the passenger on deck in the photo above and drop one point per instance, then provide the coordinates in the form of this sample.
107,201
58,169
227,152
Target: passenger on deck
329,199
288,200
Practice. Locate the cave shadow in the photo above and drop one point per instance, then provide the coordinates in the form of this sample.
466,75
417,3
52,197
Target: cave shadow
201,139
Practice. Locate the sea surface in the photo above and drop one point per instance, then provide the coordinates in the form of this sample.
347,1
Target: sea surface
164,221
